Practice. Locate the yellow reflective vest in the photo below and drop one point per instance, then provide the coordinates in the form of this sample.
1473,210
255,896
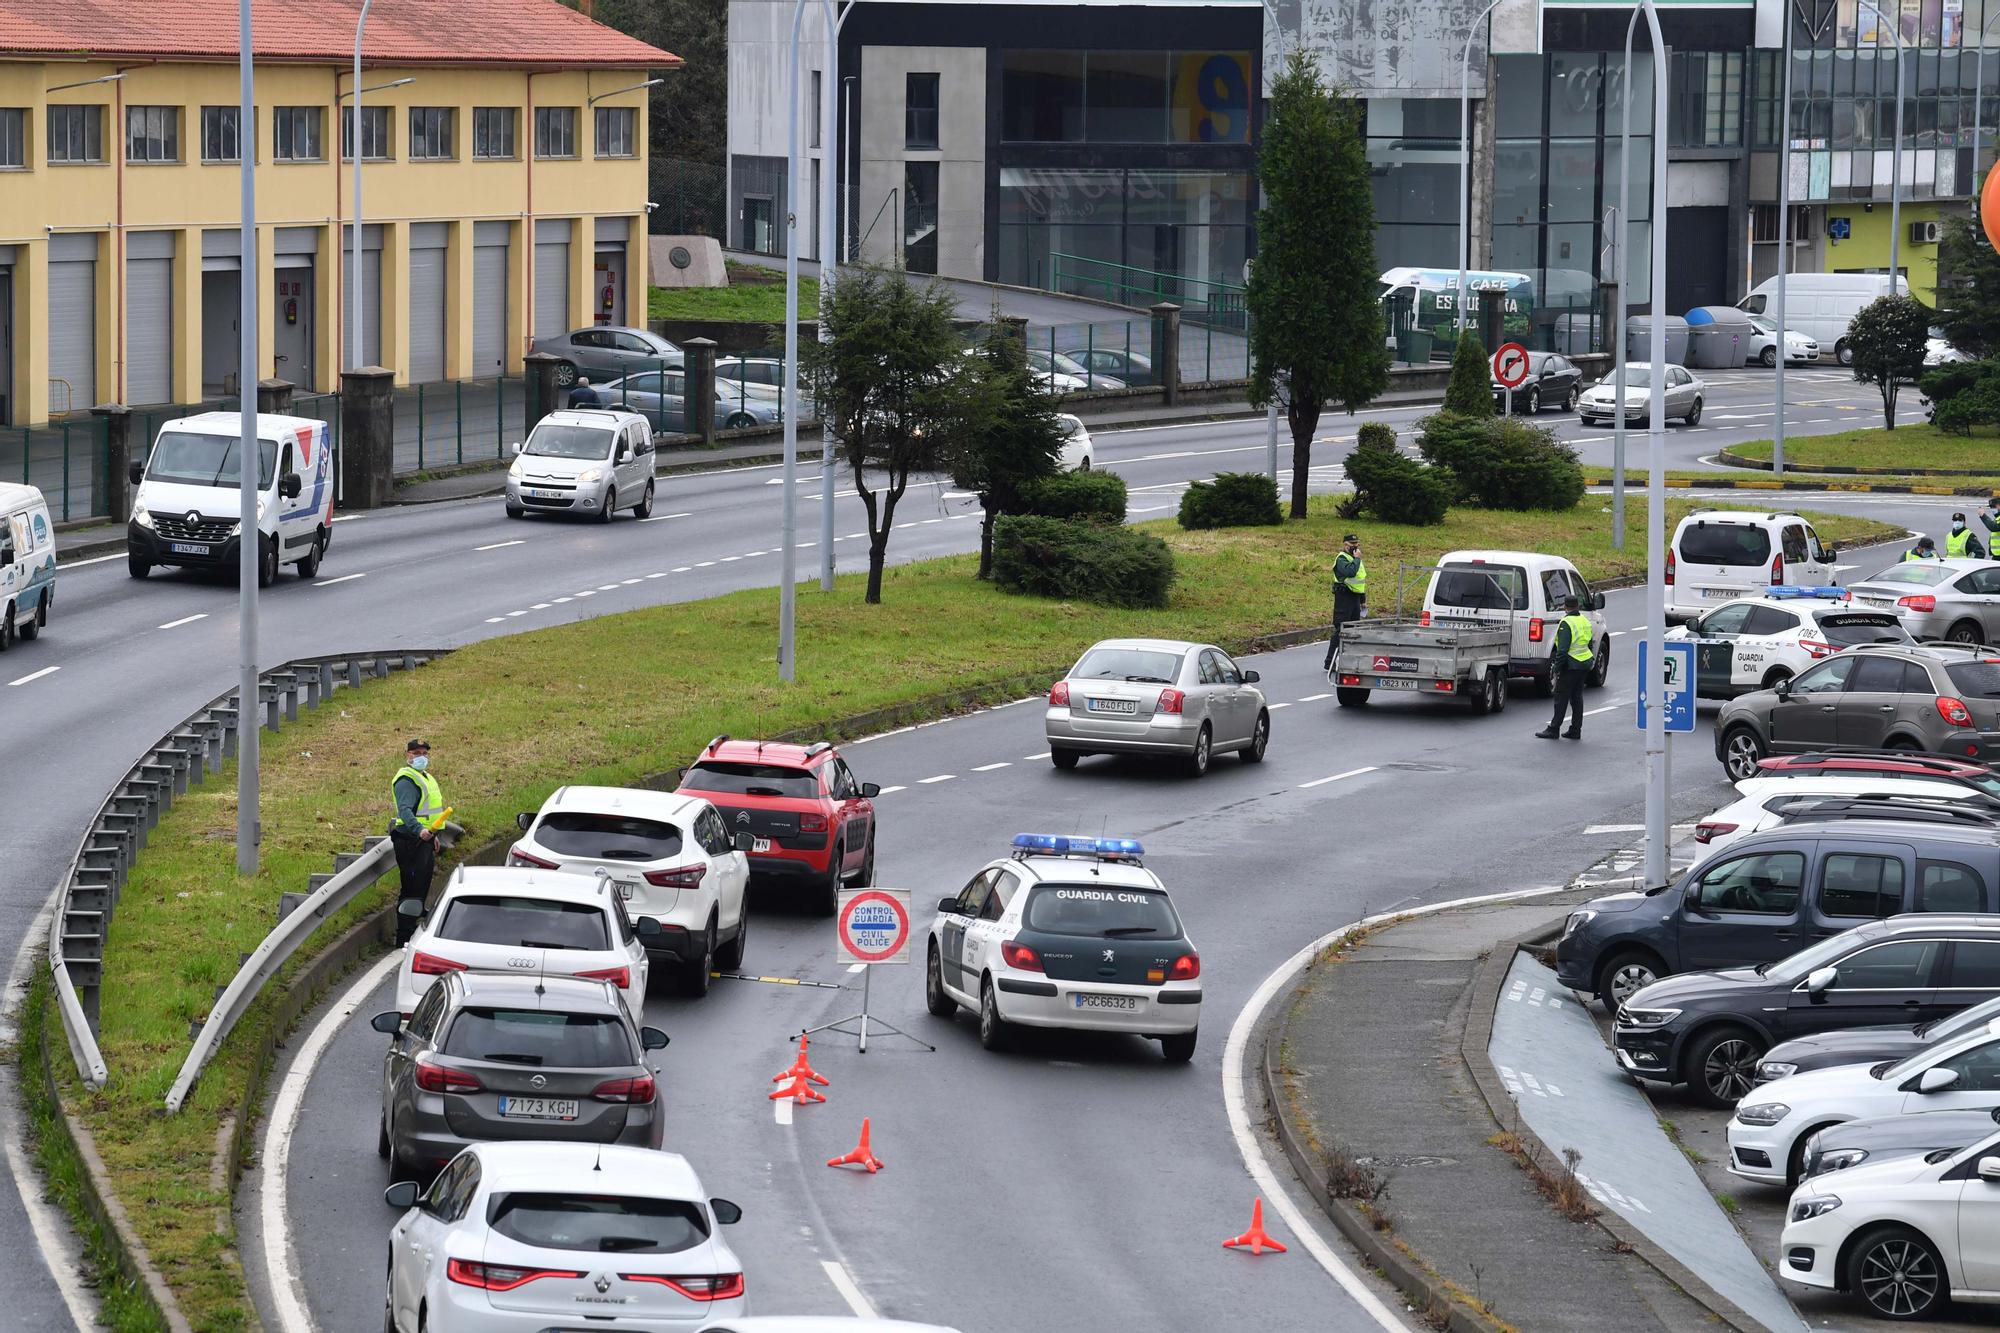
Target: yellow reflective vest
430,801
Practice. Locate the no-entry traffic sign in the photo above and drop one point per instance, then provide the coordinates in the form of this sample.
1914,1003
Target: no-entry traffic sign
874,925
1510,365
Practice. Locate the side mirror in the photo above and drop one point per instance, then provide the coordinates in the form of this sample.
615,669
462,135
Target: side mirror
1251,678
1989,1168
135,473
389,1024
653,1039
525,820
1597,601
291,485
1784,688
410,907
744,842
515,448
624,453
680,775
1936,1079
726,1212
401,1195
948,904
1820,981
871,790
648,928
1691,899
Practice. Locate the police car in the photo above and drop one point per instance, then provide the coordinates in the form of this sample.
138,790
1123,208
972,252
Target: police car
1755,642
1068,932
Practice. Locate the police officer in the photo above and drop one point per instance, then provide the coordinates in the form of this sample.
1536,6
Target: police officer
1961,542
1989,519
412,831
1574,652
1925,549
1350,591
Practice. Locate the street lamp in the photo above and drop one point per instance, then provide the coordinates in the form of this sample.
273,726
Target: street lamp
1465,161
1785,239
1896,171
85,83
357,152
249,542
1270,408
628,88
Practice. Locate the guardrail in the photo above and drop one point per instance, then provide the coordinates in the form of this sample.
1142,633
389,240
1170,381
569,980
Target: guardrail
183,758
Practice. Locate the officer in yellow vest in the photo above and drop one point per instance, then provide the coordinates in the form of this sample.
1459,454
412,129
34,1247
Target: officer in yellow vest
1960,541
1925,549
1574,653
413,831
1350,590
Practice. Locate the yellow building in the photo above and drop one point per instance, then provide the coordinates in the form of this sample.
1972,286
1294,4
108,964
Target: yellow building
503,195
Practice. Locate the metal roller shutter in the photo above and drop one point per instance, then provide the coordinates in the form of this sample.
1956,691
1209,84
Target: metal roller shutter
489,309
149,331
73,333
426,316
551,288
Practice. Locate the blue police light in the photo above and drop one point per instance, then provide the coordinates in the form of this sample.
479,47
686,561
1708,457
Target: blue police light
1059,844
1826,593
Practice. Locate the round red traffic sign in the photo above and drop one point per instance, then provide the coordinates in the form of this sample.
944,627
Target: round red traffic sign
1510,365
874,926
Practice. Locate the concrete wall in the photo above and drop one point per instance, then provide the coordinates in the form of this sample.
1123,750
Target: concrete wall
961,152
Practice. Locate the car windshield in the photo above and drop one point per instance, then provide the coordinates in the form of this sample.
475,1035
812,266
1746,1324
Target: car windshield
544,1040
599,1223
555,440
190,459
1980,679
1102,912
1806,959
1762,325
608,837
1481,587
752,780
1636,377
1737,544
1922,572
1895,1071
527,923
1965,1020
1844,629
1148,665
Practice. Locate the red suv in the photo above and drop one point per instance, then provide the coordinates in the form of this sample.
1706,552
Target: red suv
811,821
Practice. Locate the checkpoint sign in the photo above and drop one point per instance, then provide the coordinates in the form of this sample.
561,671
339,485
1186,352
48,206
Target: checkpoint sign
874,925
1510,365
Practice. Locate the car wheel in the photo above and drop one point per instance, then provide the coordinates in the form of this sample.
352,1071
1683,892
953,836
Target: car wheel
694,974
729,957
1260,737
1179,1048
1624,975
993,1029
1569,399
739,421
1775,675
1534,402
137,565
7,630
1722,1066
830,895
267,563
1084,466
1064,759
940,1004
309,567
515,511
1197,763
610,509
1897,1273
32,626
1965,631
1740,752
1600,669
565,374
644,509
1769,357
1843,353
1693,418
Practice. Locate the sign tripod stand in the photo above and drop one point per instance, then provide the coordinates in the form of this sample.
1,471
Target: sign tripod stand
864,1018
871,926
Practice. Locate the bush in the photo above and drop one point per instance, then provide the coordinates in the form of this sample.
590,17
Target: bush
1232,500
1946,382
1397,489
1109,564
1375,435
1461,444
1502,462
1099,495
1470,392
1963,394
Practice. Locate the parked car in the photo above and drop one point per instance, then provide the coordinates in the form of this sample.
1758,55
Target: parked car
1867,1045
1553,381
1077,450
583,461
1938,350
1684,395
500,1055
1063,375
1937,697
1765,802
1838,1147
1889,763
1720,555
605,352
1755,642
1956,599
1167,697
809,818
1822,305
1133,368
1764,344
661,397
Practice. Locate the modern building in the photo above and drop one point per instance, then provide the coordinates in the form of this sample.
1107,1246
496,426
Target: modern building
503,145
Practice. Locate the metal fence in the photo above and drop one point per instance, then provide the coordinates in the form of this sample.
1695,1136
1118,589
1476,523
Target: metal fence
693,199
1202,300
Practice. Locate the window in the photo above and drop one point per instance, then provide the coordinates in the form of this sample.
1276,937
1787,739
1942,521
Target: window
1975,965
1947,886
295,134
920,217
555,131
920,113
1865,887
973,897
218,134
600,1224
1767,883
1554,588
1208,671
1041,96
1705,107
512,920
1792,544
618,131
1876,675
1769,620
493,132
1978,1069
818,87
13,136
1729,620
1481,587
431,137
1125,96
374,134
152,134
423,1022
1985,582
76,134
1826,678
1900,965
1916,680
607,837
1734,544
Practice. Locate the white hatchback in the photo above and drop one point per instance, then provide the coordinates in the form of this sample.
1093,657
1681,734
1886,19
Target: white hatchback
1720,555
504,919
669,857
1078,454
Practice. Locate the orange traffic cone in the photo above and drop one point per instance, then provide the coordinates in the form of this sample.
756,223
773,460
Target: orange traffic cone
1255,1239
799,1091
801,1068
862,1155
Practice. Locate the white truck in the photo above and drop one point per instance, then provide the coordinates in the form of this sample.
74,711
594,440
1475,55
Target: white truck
188,510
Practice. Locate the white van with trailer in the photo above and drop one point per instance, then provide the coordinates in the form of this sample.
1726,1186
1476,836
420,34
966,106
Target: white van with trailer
27,563
1822,305
188,513
1523,590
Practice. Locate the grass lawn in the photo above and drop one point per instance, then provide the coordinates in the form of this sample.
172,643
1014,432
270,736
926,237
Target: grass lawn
512,718
754,295
1912,447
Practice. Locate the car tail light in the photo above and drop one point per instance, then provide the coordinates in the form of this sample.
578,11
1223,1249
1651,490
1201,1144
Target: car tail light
1711,829
517,857
1059,694
1777,570
1534,629
1670,567
1816,649
1186,968
632,1091
721,1287
812,822
621,977
430,965
1020,957
499,1277
680,877
432,1077
1350,680
1170,701
1954,711
1920,601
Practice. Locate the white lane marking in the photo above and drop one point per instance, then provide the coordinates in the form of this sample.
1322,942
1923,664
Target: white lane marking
988,768
1350,773
850,1293
677,569
850,537
281,1264
661,518
1619,633
607,587
496,620
1275,707
185,620
93,560
1314,698
662,574
344,578
704,564
34,675
560,600
1043,755
1607,708
345,518
512,614
727,558
624,583
540,606
588,592
1595,829
518,541
783,1110
942,777
886,790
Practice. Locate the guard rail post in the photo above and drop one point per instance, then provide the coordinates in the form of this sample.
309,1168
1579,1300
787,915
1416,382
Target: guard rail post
700,388
109,489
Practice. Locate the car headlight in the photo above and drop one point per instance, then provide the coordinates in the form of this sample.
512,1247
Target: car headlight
236,528
142,515
1841,1158
1771,1069
1578,919
1763,1113
589,475
514,468
1817,1205
1647,1018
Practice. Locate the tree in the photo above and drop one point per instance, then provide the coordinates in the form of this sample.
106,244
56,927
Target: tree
1470,392
1009,435
891,381
1887,337
1968,290
687,114
1316,331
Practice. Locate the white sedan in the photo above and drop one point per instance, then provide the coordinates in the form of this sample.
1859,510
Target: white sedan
1755,642
1684,394
1764,343
1077,450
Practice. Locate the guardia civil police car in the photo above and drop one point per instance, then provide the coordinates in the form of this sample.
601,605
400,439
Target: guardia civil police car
1753,643
1068,932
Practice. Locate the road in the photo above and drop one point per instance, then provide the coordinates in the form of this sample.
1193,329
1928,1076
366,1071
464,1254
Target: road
129,660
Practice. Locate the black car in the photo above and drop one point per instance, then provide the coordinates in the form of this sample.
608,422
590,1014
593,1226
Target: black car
1838,1147
1867,1046
1710,1029
1553,381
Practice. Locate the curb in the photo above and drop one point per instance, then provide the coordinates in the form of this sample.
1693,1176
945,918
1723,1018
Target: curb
1777,484
1764,465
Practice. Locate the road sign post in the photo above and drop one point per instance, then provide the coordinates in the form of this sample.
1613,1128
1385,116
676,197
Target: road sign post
871,928
1676,686
1510,370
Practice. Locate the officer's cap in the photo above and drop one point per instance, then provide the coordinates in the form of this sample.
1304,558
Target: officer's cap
416,743
1570,603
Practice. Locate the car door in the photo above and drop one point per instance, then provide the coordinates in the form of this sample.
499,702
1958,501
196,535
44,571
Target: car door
419,1034
1980,589
1742,911
637,468
1715,649
1245,700
857,812
420,1235
1893,982
1855,883
984,936
1971,976
1978,1070
732,867
1807,716
1759,647
1221,694
951,938
1871,703
1978,1222
590,351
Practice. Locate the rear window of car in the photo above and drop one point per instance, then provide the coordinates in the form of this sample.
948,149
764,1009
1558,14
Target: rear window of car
1141,664
528,923
1844,629
752,780
599,1223
1979,679
608,837
1724,544
539,1039
1107,913
1481,587
1923,572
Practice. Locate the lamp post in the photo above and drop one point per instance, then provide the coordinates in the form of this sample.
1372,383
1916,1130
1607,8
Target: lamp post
1784,242
1465,162
354,351
829,265
1896,170
250,543
1270,408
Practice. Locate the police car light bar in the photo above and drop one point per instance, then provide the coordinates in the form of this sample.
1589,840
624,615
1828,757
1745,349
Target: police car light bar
1823,593
1060,844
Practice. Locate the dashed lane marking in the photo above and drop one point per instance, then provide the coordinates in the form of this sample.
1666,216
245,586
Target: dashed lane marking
1350,773
1028,757
34,675
886,791
1607,708
518,541
849,1292
185,620
941,777
988,768
1276,707
344,578
1314,698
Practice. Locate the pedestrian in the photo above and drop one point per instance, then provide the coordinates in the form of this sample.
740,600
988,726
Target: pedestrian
1925,549
413,831
1568,665
1989,519
1961,542
583,395
1350,591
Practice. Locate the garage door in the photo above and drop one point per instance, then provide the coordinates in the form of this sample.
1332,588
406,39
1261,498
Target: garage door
73,322
489,298
427,252
551,278
149,317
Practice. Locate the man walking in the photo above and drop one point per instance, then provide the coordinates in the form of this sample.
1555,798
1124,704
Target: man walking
413,831
1574,653
1350,591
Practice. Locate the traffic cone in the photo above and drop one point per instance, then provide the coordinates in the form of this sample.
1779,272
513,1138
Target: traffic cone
862,1155
801,1068
799,1091
1255,1239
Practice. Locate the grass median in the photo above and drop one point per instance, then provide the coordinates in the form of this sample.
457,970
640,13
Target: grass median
1759,487
1913,449
607,701
754,295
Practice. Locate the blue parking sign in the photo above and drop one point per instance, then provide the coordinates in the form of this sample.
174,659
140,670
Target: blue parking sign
1677,686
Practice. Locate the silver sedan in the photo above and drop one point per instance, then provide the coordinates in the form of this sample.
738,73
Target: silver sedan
1938,599
1684,393
1186,701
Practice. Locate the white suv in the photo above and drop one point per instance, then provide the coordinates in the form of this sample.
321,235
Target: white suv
1720,555
668,855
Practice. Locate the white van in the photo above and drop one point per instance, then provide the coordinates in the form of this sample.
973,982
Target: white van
1719,555
1499,586
27,563
1822,305
187,511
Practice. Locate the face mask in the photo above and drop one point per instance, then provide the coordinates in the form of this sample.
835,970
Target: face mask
420,762
1958,527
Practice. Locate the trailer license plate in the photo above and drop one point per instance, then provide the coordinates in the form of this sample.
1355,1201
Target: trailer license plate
1385,683
1125,1002
538,1108
187,548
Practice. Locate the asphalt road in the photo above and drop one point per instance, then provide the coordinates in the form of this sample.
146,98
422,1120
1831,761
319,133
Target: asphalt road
122,661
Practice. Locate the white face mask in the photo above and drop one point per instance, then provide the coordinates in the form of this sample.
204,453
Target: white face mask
420,762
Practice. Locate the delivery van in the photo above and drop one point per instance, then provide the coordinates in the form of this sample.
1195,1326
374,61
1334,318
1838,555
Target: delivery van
188,513
27,563
1822,305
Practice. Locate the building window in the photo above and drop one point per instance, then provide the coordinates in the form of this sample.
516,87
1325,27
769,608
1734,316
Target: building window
76,134
493,132
431,133
920,111
374,134
152,134
1132,96
13,137
218,134
1705,100
817,87
617,131
295,134
920,217
555,131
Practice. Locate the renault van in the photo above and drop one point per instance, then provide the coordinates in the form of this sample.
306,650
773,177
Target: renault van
27,563
187,511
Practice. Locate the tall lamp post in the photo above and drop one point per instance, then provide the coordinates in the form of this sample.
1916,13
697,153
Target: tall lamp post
1896,171
1465,163
1784,242
354,349
250,545
1271,408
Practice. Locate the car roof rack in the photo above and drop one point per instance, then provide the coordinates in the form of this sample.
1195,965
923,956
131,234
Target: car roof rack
1933,812
716,744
